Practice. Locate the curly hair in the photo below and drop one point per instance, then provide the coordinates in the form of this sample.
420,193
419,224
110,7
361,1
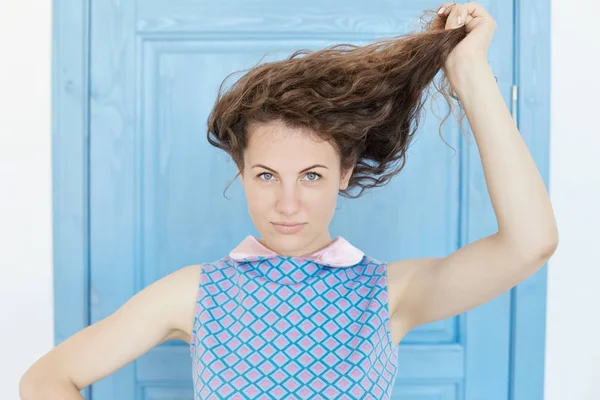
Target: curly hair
365,100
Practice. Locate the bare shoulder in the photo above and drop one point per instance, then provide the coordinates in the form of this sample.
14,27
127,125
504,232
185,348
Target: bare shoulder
173,299
185,290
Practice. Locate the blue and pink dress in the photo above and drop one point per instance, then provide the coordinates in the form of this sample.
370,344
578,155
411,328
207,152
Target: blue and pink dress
268,326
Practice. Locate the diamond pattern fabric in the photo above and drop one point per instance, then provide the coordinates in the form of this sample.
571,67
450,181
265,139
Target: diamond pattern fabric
268,326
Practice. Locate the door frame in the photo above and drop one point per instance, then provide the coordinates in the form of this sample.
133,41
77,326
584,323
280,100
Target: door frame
70,177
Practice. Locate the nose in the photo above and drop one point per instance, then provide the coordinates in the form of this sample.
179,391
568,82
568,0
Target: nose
288,199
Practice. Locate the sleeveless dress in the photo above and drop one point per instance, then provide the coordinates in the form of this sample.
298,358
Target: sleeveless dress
268,326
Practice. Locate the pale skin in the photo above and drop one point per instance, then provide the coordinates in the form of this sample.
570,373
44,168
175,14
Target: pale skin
420,290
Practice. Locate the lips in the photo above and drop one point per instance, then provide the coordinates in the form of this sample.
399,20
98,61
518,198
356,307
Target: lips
288,228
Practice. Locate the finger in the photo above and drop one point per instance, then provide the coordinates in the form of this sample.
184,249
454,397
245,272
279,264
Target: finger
468,20
463,13
444,8
452,21
476,10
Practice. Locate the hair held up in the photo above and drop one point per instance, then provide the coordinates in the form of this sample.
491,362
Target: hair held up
365,100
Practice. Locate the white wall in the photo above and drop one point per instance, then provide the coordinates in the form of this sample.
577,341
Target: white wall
573,313
26,315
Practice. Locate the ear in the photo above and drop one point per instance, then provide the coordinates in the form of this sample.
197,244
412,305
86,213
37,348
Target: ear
345,178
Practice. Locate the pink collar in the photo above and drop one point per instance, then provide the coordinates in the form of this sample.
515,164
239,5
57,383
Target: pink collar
338,253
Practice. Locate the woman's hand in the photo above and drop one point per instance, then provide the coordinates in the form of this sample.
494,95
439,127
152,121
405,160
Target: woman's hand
480,28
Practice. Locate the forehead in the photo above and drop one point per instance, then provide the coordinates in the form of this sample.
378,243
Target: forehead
276,144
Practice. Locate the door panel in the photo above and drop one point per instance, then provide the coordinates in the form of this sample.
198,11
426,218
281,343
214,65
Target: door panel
156,185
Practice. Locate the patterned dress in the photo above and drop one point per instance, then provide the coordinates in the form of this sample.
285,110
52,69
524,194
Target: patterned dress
268,326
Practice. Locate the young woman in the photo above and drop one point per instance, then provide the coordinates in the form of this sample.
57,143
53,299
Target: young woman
303,131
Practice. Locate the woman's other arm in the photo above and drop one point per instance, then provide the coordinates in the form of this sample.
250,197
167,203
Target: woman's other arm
160,312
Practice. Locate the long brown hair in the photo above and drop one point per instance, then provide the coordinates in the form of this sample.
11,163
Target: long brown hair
365,100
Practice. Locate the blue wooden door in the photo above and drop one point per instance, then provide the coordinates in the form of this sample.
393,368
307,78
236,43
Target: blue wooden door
156,201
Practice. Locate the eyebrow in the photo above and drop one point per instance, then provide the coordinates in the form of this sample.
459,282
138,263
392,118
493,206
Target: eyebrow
304,170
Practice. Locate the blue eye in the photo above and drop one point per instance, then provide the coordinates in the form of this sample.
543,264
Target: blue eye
265,173
316,178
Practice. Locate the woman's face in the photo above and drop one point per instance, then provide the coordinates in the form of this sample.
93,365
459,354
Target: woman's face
291,176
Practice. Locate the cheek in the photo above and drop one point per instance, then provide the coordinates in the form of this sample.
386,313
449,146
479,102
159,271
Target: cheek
258,199
322,202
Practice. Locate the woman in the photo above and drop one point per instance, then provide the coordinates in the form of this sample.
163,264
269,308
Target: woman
302,131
